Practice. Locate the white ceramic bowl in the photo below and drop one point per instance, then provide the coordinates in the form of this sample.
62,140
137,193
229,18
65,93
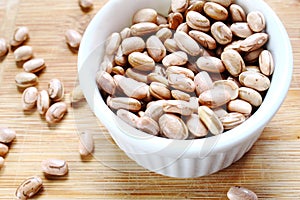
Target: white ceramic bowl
176,158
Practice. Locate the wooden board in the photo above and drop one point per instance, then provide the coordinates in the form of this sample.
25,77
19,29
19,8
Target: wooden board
271,168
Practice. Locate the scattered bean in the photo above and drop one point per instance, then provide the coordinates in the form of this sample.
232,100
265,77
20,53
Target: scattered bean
56,89
7,135
23,53
73,38
54,167
29,98
56,112
21,35
238,192
29,187
3,47
43,102
86,4
34,65
86,143
76,94
3,150
2,161
26,79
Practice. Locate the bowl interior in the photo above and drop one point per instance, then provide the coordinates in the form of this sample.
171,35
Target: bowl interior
107,21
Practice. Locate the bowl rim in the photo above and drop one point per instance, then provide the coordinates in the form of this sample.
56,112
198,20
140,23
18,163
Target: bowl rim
230,138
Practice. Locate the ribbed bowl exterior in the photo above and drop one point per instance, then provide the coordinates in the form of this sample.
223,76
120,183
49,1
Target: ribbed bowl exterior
186,167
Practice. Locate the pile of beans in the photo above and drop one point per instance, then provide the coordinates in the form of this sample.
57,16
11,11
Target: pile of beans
199,71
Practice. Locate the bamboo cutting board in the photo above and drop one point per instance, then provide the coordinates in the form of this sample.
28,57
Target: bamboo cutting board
271,168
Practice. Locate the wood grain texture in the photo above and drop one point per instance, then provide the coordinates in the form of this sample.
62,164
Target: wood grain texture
271,168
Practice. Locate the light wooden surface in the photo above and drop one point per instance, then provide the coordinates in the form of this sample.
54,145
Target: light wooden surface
271,168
